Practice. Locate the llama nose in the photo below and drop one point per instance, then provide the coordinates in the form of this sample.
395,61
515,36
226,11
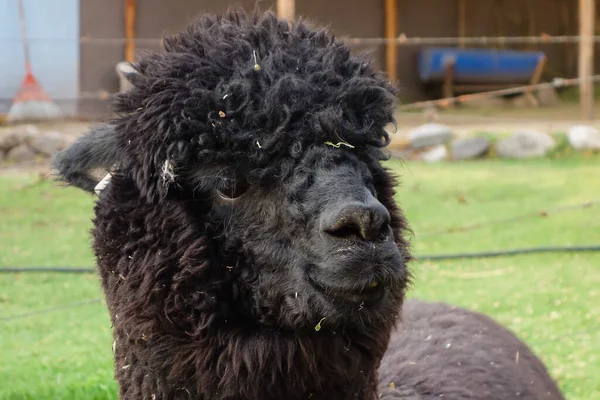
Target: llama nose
366,221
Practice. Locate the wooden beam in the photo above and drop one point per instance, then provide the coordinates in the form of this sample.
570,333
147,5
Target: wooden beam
130,11
535,79
391,33
462,21
587,16
286,9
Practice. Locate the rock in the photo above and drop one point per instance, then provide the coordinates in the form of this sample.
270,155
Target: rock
547,96
430,134
524,144
470,148
15,137
20,153
435,154
583,137
48,143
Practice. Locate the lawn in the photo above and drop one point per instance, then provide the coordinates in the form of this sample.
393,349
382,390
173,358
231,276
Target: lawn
549,300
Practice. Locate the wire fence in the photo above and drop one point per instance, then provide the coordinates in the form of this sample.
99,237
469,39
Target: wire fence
45,311
401,40
94,99
544,213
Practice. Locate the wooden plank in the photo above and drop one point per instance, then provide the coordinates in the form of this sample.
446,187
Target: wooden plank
286,9
391,33
462,88
448,88
462,21
130,11
535,78
587,16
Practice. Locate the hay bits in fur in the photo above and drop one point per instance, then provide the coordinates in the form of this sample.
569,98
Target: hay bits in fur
339,144
168,172
257,66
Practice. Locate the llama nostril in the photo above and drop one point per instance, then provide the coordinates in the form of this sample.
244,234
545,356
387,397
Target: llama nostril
362,221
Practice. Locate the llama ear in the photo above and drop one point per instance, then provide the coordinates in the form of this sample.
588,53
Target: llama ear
97,149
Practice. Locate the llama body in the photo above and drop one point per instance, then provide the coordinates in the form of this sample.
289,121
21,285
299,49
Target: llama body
249,244
447,352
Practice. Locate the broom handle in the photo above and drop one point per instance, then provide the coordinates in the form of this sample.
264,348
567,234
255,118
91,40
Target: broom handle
24,36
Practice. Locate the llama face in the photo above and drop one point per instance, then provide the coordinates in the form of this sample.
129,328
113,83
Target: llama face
318,244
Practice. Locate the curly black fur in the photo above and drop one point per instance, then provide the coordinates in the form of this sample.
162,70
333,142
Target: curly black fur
96,150
451,353
218,240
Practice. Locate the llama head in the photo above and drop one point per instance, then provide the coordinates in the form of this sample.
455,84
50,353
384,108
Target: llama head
271,137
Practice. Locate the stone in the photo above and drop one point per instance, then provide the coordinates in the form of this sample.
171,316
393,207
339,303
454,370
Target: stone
21,153
524,144
547,97
584,137
17,136
48,143
435,154
470,148
430,134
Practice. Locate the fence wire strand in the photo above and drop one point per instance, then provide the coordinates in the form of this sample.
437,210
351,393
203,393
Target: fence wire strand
88,302
401,40
539,213
50,309
556,83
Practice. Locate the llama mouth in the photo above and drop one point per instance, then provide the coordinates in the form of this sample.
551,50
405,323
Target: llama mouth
367,294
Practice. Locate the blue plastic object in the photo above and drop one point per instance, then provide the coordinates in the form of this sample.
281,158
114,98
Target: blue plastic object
478,65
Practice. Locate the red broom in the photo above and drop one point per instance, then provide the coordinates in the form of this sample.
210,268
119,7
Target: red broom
31,102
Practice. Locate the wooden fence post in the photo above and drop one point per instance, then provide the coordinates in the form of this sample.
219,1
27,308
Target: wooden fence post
391,34
130,10
587,17
286,9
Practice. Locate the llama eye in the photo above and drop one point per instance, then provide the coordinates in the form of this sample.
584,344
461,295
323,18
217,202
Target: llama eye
232,188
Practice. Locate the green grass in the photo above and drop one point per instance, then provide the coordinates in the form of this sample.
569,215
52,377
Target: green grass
549,300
